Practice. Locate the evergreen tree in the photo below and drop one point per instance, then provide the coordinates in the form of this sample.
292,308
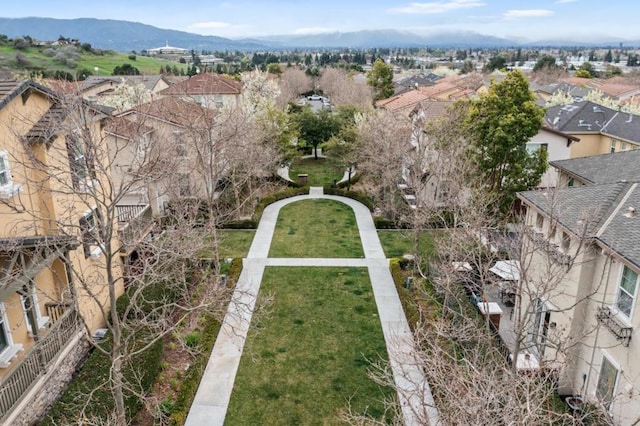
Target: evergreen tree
381,79
500,124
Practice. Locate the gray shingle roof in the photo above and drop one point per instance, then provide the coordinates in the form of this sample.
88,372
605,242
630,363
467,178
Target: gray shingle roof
597,212
579,117
606,168
589,117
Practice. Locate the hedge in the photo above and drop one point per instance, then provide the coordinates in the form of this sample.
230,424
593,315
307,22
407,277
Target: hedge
358,196
277,196
407,296
191,379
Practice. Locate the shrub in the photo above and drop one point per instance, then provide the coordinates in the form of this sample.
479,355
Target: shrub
240,224
356,195
191,340
192,376
277,196
407,296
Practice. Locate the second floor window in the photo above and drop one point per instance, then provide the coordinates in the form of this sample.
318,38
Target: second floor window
89,230
627,291
80,162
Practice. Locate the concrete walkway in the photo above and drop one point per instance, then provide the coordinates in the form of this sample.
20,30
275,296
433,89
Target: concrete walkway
213,395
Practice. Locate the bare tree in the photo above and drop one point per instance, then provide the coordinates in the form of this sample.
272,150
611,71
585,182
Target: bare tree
293,83
346,89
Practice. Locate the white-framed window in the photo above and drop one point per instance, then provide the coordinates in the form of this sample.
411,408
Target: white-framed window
566,242
89,231
29,300
8,350
540,322
5,333
83,171
219,101
614,143
533,147
607,381
623,146
181,148
626,293
7,187
539,221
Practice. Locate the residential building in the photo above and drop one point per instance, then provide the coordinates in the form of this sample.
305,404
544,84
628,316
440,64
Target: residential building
587,232
53,270
208,89
167,133
599,128
558,146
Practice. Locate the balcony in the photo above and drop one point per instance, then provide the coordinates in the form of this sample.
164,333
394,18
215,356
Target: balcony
609,320
556,254
37,361
135,222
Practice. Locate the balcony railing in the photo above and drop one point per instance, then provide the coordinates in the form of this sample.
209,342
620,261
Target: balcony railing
609,320
553,250
35,363
134,222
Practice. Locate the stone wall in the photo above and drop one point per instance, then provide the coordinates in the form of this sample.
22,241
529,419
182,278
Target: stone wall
36,405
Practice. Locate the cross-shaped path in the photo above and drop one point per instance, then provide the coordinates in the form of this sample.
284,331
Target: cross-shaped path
212,398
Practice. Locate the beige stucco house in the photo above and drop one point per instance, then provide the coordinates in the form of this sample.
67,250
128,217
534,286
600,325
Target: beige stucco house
52,258
585,325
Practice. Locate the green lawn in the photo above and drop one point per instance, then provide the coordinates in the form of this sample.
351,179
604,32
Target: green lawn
321,172
309,357
235,242
316,228
396,243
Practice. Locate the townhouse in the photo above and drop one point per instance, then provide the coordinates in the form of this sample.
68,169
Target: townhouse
53,266
599,128
584,316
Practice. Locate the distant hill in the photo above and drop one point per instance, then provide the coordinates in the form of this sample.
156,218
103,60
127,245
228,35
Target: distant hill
390,38
125,36
122,36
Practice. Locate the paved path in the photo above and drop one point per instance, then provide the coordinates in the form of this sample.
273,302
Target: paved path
213,395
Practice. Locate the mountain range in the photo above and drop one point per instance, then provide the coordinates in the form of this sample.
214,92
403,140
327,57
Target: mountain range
125,36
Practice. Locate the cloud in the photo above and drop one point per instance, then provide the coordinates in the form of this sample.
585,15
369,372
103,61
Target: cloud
210,25
565,1
527,13
436,7
314,30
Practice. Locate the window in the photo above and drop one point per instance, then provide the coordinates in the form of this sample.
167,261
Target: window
566,241
607,381
570,182
81,163
5,175
7,187
90,231
29,299
218,100
533,147
184,185
623,146
539,221
5,334
613,145
627,291
540,320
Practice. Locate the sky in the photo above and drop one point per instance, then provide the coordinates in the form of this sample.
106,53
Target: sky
521,20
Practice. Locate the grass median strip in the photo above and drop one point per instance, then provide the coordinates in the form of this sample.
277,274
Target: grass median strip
316,228
307,359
